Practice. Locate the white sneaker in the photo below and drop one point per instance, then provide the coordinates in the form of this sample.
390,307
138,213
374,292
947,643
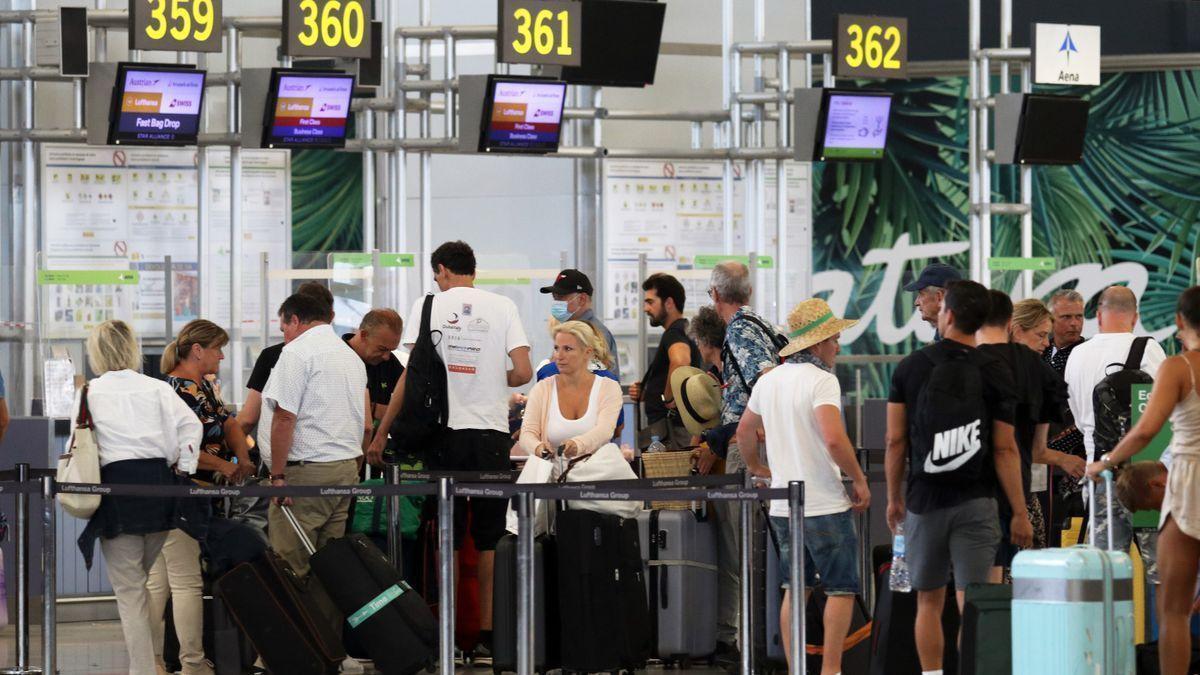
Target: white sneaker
351,665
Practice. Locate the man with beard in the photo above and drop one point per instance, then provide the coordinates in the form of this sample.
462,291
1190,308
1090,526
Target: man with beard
663,303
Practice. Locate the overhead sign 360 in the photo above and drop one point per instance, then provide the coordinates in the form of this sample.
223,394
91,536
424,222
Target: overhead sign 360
327,28
175,25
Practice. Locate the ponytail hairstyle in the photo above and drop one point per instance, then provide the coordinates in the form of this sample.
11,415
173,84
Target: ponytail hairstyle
199,332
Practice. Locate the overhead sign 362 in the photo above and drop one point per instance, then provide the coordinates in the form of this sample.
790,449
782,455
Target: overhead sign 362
175,25
871,47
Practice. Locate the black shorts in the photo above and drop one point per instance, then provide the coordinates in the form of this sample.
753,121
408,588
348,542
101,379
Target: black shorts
476,450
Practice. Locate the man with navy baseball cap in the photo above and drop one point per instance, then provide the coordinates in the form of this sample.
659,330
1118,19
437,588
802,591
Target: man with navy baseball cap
930,287
572,293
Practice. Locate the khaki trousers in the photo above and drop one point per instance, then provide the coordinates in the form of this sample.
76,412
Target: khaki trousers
322,518
129,558
176,575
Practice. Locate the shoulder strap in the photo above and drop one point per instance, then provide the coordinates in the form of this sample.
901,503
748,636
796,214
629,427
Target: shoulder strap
426,313
1136,351
84,419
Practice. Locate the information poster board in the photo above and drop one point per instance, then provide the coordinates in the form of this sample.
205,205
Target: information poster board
107,208
266,227
669,211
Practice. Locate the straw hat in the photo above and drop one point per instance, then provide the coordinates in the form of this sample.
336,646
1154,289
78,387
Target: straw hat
697,398
811,322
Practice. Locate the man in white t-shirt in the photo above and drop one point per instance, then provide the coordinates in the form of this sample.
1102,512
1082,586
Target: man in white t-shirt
1089,363
799,406
486,353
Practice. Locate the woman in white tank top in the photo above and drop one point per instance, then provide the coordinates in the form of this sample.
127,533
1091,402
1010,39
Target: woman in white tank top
1175,396
576,409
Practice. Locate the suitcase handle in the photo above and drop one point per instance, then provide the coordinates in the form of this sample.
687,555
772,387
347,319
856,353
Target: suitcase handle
1108,491
304,540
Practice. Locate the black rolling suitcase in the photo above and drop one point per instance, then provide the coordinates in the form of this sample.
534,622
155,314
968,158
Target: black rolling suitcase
893,642
283,616
225,645
387,617
504,606
602,599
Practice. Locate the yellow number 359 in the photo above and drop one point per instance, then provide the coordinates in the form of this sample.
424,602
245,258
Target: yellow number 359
180,21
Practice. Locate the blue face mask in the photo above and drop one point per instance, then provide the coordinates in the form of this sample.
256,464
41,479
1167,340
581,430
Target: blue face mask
559,310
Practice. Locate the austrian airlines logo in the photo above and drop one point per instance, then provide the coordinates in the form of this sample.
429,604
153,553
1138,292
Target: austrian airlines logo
953,448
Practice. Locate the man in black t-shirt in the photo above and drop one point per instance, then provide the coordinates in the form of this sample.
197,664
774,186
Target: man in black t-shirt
949,520
663,303
378,335
1041,395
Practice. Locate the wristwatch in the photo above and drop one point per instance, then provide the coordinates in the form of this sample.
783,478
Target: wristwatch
278,476
1108,463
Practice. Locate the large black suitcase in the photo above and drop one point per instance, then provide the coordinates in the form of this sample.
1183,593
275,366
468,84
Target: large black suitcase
504,606
283,616
893,643
225,644
387,617
602,599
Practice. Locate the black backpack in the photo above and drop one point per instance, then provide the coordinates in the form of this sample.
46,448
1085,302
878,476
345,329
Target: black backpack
951,431
777,340
1112,398
425,412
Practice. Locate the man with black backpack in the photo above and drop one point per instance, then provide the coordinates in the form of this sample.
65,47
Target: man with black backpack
1100,374
463,341
751,349
950,417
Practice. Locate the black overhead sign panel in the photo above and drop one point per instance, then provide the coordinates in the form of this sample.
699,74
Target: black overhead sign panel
175,25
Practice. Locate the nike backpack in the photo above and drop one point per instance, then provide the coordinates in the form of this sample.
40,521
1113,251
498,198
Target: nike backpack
951,434
1112,398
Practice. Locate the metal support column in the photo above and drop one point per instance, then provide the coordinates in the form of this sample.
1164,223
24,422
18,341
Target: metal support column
49,577
642,346
973,217
236,240
168,299
447,576
1026,199
21,535
395,535
526,570
799,664
264,299
746,583
32,357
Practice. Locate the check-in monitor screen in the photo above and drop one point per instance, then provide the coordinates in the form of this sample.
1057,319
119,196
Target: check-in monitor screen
525,116
159,106
309,110
856,126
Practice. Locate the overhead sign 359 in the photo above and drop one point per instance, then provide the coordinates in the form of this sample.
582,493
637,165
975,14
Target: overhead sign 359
175,25
871,47
339,28
542,32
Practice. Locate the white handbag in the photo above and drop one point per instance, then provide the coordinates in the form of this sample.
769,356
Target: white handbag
81,464
536,470
607,463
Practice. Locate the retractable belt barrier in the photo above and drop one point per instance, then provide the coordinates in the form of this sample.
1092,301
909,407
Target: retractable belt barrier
445,486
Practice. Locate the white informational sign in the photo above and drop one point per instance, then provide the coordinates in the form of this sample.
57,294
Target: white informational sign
798,236
107,208
669,211
1066,54
266,227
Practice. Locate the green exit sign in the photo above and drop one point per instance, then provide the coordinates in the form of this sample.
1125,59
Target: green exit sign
707,262
88,277
1022,264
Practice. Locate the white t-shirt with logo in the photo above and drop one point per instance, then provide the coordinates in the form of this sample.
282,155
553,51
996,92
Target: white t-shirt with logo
787,398
479,329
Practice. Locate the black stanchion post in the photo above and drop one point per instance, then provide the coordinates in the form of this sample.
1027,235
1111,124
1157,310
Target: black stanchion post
446,563
394,533
21,542
746,625
798,635
49,578
525,584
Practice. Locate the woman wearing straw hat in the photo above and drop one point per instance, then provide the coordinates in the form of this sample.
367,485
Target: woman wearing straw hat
799,405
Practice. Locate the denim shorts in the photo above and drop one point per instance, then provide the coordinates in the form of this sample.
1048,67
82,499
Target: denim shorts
830,552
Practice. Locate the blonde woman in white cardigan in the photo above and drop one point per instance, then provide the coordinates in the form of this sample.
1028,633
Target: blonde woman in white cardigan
575,409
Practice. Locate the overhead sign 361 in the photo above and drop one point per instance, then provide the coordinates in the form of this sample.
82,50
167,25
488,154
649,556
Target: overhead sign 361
175,25
541,32
340,28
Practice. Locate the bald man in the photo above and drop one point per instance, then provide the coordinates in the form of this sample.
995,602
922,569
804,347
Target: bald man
1090,363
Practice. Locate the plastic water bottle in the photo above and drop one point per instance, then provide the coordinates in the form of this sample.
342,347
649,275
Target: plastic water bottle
899,581
656,445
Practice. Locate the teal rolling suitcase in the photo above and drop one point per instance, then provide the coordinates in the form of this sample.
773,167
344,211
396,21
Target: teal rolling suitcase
1072,610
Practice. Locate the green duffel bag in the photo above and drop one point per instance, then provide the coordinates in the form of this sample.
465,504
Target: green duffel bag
369,515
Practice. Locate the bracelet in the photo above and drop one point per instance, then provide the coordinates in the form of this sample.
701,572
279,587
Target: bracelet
278,476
